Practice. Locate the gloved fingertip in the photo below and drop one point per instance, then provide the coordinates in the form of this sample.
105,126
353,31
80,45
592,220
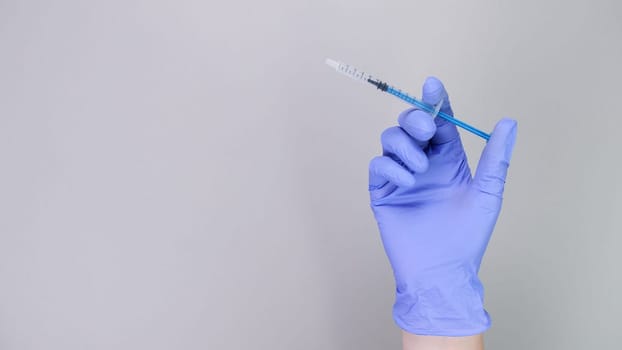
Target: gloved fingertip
423,165
433,90
418,124
493,165
506,123
433,83
401,178
506,129
408,181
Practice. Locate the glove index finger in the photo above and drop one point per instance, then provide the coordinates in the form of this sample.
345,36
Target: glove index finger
433,93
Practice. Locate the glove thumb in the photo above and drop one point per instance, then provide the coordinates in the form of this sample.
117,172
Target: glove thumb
493,165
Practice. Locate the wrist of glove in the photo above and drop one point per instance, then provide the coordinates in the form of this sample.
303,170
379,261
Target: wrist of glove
442,303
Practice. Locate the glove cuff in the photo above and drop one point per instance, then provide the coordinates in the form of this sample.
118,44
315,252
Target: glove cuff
442,304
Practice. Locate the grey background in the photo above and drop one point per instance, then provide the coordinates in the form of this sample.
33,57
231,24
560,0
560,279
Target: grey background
190,175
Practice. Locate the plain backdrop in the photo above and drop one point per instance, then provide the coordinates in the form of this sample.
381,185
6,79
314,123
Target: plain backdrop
191,175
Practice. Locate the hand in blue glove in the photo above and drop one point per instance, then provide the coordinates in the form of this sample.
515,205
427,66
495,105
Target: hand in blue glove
435,219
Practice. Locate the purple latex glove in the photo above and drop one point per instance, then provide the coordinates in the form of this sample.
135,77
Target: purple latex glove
435,219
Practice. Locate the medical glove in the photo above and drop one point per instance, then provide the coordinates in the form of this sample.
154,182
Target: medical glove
435,219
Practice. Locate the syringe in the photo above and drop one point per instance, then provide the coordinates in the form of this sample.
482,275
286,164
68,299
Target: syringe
434,110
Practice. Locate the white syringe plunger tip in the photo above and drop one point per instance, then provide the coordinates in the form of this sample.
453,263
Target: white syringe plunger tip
332,63
347,70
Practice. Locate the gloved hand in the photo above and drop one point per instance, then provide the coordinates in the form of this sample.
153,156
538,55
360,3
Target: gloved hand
435,219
